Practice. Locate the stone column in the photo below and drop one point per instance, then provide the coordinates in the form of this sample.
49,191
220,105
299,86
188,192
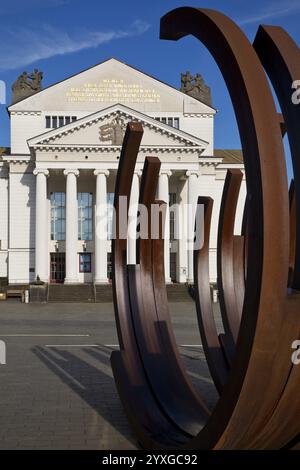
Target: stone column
163,195
41,224
71,227
100,272
132,219
192,202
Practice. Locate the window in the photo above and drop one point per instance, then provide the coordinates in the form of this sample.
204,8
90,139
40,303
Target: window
85,216
52,122
58,216
110,211
172,201
85,262
171,121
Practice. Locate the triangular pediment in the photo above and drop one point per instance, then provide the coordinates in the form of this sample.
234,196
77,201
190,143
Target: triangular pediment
106,128
106,84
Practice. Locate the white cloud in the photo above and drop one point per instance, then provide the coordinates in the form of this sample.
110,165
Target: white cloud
26,46
272,12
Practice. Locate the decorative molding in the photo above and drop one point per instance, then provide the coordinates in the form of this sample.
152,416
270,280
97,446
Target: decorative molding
192,172
168,173
71,171
26,113
101,172
197,115
40,171
116,148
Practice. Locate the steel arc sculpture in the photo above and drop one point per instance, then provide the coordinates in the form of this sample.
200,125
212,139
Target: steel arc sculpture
258,270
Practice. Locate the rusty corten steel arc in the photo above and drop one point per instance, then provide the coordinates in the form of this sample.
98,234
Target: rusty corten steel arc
292,199
242,405
142,397
225,254
220,349
280,57
216,359
250,397
227,263
152,323
142,409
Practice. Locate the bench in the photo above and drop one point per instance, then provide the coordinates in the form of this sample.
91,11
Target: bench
15,293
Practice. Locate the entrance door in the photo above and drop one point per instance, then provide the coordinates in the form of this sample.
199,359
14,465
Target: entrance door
57,268
173,266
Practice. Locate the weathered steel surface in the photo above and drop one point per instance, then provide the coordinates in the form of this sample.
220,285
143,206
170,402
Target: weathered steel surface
216,359
259,406
226,256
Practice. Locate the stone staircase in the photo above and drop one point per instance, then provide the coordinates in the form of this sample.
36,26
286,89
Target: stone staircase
178,293
71,293
103,293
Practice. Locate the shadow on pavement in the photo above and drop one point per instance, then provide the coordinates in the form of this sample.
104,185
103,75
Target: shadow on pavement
87,382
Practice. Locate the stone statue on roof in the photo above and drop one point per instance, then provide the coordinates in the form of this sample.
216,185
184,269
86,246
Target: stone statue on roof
27,85
196,87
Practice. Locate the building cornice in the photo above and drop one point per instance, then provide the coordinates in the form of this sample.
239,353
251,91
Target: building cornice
120,110
116,148
25,113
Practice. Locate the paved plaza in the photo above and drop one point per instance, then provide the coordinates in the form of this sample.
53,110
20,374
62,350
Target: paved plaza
57,388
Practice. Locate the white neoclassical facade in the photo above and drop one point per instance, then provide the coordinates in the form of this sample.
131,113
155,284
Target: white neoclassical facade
62,164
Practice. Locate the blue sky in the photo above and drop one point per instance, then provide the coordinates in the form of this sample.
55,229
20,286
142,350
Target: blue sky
62,37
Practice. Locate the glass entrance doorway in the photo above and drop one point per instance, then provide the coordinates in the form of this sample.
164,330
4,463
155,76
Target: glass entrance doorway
57,268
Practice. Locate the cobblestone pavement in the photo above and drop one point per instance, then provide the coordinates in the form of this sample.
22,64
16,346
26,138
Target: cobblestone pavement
57,389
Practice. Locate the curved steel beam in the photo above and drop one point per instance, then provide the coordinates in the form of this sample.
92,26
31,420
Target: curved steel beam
152,323
250,396
143,411
226,256
266,278
218,366
280,57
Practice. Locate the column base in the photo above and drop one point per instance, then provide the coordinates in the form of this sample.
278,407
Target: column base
72,281
101,281
168,280
190,281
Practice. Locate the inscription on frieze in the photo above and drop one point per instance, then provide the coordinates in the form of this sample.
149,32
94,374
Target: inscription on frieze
114,91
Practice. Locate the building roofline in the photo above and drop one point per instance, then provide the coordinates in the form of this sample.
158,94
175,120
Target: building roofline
103,62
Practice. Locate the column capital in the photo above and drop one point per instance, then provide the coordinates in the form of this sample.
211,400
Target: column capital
192,172
71,171
41,171
165,172
138,173
101,172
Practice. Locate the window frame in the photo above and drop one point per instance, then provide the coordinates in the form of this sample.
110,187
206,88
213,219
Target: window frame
84,263
62,206
89,219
